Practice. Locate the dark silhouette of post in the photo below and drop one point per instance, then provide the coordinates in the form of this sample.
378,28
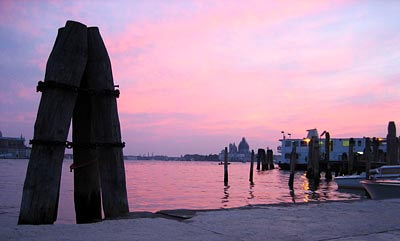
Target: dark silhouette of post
65,66
106,127
293,158
251,167
392,146
270,158
258,159
263,158
316,158
309,173
328,172
87,195
375,149
351,157
226,167
367,156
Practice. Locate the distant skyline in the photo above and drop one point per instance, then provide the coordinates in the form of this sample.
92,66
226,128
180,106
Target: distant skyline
195,76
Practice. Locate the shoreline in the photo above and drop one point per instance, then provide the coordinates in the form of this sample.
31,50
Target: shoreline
327,220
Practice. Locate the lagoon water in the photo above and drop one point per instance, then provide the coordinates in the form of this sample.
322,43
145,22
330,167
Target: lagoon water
160,185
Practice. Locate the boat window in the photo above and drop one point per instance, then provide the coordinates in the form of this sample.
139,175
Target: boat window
359,143
288,143
345,143
303,143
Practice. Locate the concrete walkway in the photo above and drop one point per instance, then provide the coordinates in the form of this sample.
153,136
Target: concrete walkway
360,220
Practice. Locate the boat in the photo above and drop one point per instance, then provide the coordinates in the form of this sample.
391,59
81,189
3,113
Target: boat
354,181
382,189
13,148
339,149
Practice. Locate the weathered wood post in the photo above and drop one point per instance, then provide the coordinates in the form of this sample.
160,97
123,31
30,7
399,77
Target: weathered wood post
251,167
263,159
343,167
226,167
309,173
375,149
367,156
316,159
392,145
258,159
293,158
351,157
328,172
87,197
106,127
64,71
270,158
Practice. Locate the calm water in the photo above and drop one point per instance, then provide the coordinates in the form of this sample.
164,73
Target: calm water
157,185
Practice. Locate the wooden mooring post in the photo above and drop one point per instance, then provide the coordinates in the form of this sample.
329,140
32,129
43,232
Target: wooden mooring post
316,159
65,67
309,173
79,85
392,146
351,156
293,158
375,149
328,171
251,167
106,126
367,156
258,159
270,159
263,159
87,197
226,167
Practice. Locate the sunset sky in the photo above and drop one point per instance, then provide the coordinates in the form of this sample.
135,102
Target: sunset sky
196,75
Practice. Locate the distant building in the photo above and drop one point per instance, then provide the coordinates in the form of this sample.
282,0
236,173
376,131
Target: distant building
240,153
13,148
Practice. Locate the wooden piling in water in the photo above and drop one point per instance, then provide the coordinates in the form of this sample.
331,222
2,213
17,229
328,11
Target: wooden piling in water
293,158
328,172
226,167
65,66
392,146
87,195
270,159
309,173
263,158
367,156
106,126
258,159
316,158
251,167
351,157
375,149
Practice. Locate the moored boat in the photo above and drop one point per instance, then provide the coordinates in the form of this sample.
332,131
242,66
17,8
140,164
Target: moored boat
382,189
354,181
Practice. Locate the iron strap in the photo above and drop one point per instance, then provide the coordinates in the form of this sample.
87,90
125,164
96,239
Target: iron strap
70,145
57,85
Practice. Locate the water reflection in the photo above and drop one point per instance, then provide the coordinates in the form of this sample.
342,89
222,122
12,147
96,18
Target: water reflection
225,198
251,191
157,185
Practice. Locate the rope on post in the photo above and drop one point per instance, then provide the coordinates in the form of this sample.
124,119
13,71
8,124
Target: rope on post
70,144
43,85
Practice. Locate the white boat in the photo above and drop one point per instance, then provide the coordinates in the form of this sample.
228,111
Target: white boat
339,147
382,189
383,172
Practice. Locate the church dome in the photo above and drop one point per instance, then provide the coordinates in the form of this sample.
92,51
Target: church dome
243,146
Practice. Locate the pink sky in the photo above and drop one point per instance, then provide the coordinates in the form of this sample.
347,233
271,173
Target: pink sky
196,75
